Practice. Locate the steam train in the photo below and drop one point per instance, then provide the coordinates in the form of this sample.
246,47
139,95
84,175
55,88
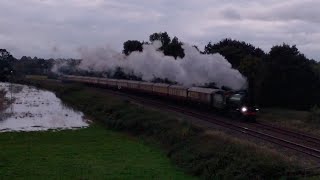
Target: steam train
234,103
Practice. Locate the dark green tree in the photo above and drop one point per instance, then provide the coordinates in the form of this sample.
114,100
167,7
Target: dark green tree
25,58
251,67
163,37
174,48
234,51
131,45
6,60
290,80
169,47
5,55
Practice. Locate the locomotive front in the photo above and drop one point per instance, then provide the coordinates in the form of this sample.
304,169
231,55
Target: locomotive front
240,104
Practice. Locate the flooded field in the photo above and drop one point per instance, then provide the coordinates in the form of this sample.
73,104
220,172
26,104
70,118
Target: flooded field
31,109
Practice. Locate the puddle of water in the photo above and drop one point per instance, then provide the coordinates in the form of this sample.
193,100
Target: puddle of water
37,110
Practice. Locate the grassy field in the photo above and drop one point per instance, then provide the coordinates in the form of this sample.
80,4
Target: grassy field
211,155
91,153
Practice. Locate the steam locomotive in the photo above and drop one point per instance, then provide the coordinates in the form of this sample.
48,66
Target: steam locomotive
234,103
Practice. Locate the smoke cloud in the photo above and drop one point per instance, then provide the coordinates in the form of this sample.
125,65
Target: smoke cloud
194,69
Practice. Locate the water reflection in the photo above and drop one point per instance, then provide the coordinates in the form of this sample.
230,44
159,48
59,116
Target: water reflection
35,110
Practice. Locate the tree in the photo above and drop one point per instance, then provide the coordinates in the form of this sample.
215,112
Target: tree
169,47
251,67
197,48
234,51
290,81
131,45
174,48
25,58
316,67
6,60
119,74
5,70
5,55
163,37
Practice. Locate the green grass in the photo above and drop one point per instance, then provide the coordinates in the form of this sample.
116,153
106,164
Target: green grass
91,153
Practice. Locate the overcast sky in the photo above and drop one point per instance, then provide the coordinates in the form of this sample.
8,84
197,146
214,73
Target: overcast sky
57,28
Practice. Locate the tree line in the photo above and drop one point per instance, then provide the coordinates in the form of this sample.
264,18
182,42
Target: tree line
283,77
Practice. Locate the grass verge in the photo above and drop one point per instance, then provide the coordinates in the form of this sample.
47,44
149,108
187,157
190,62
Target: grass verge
305,121
207,155
90,153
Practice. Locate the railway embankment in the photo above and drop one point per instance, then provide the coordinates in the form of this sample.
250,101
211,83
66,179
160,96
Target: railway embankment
303,121
199,152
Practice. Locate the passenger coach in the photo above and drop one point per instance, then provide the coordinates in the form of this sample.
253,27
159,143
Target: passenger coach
234,103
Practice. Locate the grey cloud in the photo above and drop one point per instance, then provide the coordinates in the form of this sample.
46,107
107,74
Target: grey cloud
292,10
34,27
231,14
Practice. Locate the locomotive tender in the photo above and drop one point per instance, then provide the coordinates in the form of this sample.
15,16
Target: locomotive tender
234,103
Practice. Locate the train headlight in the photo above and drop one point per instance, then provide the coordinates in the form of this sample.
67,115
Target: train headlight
244,109
257,109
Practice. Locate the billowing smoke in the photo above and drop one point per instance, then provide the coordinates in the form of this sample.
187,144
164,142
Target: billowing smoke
194,69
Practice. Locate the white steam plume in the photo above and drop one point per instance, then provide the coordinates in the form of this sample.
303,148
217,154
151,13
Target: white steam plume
194,69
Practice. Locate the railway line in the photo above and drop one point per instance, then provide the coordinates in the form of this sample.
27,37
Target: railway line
297,141
305,137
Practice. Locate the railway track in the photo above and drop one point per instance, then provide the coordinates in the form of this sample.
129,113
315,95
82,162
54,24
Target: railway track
250,131
305,137
288,139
